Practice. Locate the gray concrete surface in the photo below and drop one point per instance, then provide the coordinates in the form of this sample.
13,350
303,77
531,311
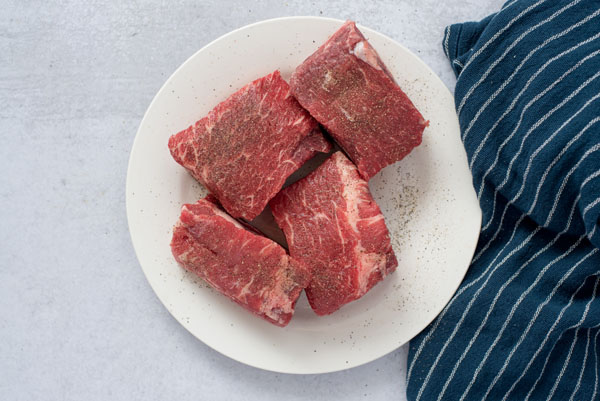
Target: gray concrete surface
78,321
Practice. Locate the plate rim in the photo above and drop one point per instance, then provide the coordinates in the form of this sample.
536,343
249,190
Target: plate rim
128,198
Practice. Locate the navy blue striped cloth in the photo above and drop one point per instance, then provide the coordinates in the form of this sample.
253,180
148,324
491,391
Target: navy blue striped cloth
525,323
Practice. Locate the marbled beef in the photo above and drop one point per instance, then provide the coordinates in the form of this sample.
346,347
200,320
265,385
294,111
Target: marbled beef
348,89
333,225
247,146
247,267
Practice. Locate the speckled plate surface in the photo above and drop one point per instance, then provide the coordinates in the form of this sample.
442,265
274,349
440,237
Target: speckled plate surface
427,199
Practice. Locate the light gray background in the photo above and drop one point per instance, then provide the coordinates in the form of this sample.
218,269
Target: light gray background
78,321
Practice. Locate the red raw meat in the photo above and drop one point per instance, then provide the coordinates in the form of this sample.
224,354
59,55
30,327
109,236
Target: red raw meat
250,269
334,226
247,146
348,89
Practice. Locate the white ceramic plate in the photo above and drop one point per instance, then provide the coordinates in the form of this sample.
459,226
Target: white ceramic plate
427,199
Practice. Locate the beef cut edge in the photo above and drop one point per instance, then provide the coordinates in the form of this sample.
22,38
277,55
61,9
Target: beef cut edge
245,266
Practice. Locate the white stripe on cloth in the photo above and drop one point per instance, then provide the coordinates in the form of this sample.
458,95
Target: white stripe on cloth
532,157
587,347
590,206
476,295
520,220
546,338
564,183
539,149
446,41
583,317
522,115
501,31
558,157
508,49
564,367
514,309
537,312
495,300
504,7
591,177
511,354
566,364
591,234
524,89
508,80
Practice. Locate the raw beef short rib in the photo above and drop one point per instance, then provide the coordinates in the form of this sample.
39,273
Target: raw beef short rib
247,146
333,225
348,89
250,269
